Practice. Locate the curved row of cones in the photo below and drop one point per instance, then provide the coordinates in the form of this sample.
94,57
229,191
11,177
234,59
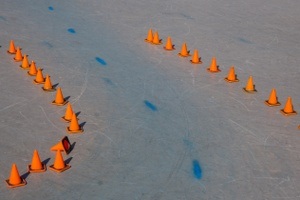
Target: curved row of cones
47,87
214,68
15,180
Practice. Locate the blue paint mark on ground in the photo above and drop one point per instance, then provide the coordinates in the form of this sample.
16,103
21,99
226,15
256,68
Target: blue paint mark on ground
108,81
2,18
101,61
48,44
188,143
245,41
50,8
197,169
150,105
71,30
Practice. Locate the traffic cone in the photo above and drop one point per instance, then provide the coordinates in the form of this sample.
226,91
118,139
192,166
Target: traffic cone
184,52
169,46
48,85
150,36
18,57
36,165
299,127
156,39
15,180
63,145
59,99
272,99
74,126
12,49
250,87
39,78
59,163
214,68
32,69
25,63
68,114
231,76
288,109
196,59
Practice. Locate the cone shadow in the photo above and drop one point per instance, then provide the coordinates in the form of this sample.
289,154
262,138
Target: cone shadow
82,124
67,161
55,85
77,114
72,146
46,161
24,176
67,98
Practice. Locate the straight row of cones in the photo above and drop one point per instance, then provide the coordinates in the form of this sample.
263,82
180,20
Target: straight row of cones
15,180
36,166
153,38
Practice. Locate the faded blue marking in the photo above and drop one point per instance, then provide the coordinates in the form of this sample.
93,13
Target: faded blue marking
48,44
186,16
108,81
2,18
50,8
101,61
197,169
71,30
188,143
245,41
150,105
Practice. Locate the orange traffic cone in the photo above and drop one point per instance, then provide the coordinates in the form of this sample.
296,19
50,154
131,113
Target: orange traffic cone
63,145
12,49
272,99
48,85
36,164
39,78
74,126
169,46
18,57
25,63
68,114
214,68
32,69
59,163
156,39
150,36
250,87
196,59
231,76
184,52
299,127
59,99
288,109
15,180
